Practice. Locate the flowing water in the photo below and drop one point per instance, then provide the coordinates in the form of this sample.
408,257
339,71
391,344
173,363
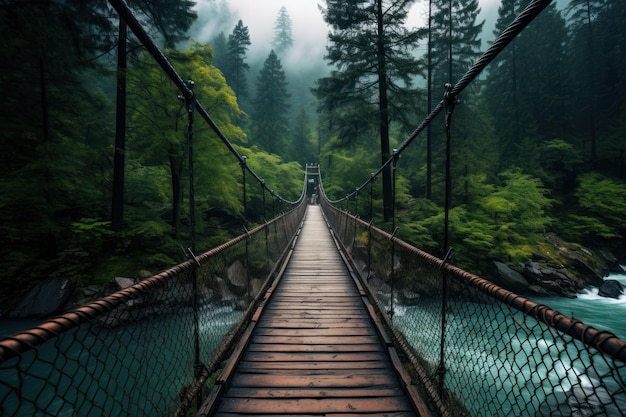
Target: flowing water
592,309
501,363
139,369
521,387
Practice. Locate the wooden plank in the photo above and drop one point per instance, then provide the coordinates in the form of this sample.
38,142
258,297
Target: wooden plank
327,323
310,367
315,406
316,340
315,349
307,332
329,348
315,356
392,414
305,369
312,393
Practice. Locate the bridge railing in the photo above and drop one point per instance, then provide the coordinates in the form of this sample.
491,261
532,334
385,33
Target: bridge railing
479,349
150,349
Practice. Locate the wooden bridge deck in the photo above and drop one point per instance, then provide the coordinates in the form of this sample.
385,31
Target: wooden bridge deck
315,349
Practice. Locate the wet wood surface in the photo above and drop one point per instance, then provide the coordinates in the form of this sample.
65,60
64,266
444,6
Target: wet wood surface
315,350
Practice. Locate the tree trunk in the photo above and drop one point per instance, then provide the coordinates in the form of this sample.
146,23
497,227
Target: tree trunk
429,151
117,199
176,175
383,107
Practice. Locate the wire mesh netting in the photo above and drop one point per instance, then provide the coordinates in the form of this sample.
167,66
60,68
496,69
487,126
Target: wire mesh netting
478,349
140,351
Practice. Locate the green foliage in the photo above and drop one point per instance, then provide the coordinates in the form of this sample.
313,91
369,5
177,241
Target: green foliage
90,237
502,221
236,65
160,140
284,178
271,107
602,204
368,64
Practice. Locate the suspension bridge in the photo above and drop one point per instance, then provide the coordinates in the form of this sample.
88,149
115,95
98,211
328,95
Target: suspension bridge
315,312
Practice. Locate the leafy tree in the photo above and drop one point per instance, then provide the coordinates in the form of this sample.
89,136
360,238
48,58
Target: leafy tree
271,107
371,50
170,20
158,122
601,207
285,178
238,43
506,221
283,39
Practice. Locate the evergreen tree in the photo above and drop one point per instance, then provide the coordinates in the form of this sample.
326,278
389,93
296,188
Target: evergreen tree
598,39
455,40
271,107
455,46
53,166
371,86
504,97
166,19
526,87
301,145
220,47
283,39
237,68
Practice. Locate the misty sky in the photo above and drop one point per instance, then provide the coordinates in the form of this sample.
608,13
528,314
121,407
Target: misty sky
309,29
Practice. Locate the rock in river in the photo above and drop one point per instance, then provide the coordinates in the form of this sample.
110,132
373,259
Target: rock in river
46,298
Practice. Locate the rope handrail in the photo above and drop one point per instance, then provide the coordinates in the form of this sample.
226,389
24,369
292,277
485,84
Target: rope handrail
494,340
29,339
519,23
126,14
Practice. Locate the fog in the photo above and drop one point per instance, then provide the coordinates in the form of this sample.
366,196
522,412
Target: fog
308,28
304,62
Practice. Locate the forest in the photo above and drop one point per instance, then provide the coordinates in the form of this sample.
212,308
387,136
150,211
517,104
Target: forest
94,150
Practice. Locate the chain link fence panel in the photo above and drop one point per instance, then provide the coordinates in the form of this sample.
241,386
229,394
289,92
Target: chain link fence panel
148,349
480,350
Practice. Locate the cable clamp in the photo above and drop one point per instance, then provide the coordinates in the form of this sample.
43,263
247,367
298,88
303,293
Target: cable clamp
195,258
448,258
449,102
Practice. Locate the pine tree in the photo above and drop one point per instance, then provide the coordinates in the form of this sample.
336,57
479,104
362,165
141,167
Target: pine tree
301,146
271,107
371,51
283,39
220,46
238,43
526,87
598,39
455,40
54,168
454,47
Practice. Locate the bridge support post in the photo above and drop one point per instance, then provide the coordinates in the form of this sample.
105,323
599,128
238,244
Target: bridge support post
245,197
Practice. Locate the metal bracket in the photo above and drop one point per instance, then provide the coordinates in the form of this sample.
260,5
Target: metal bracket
448,258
